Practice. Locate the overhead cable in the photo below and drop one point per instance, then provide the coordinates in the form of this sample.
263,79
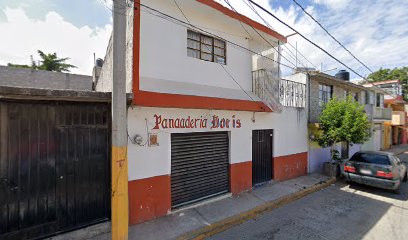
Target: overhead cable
304,37
320,25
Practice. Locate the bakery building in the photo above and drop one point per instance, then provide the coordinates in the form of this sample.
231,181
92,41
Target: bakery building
211,113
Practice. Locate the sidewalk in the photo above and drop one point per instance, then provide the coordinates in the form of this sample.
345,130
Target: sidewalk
398,149
215,216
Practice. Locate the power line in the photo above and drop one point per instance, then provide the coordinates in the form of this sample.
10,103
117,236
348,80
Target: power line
303,56
223,67
226,1
181,11
183,23
268,25
304,10
304,37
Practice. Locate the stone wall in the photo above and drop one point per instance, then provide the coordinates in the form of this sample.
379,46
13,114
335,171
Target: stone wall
338,91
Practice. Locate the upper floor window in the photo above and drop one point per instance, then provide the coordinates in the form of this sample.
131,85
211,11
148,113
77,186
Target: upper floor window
205,47
325,94
379,100
356,97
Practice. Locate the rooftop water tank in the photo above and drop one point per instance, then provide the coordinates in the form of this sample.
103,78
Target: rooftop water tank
343,75
99,62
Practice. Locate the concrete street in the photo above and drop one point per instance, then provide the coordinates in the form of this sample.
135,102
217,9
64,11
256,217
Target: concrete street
337,212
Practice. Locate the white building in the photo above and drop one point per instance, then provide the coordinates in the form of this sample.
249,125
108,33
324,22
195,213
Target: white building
210,114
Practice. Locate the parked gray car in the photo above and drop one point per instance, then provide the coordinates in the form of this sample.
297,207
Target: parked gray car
375,168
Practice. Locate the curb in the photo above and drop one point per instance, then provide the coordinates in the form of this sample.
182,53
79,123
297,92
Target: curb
230,222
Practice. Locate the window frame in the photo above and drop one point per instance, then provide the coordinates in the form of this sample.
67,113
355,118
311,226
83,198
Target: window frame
323,91
213,46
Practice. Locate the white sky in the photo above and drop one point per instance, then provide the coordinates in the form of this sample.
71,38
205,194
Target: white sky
376,31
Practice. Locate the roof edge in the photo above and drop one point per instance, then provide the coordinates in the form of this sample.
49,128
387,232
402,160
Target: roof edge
244,19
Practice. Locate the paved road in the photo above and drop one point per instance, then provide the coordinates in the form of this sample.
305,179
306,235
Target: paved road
338,212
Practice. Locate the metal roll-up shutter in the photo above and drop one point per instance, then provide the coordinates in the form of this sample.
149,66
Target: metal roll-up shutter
199,166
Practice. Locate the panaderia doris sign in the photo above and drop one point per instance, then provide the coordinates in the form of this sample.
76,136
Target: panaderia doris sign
214,122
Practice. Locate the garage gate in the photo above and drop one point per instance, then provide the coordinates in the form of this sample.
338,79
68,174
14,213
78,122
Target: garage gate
199,166
54,167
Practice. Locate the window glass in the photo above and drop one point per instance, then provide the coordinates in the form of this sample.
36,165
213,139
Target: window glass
371,158
193,44
325,94
356,97
205,47
378,102
193,53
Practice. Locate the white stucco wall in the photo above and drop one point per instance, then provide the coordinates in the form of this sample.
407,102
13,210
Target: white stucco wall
104,82
290,136
165,66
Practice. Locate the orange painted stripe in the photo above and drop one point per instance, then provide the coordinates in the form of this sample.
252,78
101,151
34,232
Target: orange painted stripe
242,18
154,99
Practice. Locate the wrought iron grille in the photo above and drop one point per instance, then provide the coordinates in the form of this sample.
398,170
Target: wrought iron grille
265,84
292,94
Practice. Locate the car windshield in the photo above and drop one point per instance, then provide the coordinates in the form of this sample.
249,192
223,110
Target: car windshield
371,158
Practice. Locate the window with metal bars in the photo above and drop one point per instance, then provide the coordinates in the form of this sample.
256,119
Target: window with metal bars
206,48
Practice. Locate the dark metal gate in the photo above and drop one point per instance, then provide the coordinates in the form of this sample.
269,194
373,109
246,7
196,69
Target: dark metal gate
199,166
262,142
54,167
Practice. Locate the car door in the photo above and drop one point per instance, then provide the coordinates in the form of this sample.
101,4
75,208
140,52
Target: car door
400,166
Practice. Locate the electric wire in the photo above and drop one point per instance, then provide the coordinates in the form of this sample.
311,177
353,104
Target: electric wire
320,25
227,2
223,67
177,21
269,26
304,37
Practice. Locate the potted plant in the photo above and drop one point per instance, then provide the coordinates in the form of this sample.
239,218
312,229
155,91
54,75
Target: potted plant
342,120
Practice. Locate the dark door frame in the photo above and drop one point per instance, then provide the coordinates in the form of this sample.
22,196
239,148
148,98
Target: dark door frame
259,173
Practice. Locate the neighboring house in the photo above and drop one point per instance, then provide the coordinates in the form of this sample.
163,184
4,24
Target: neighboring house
380,116
399,119
30,78
394,100
322,88
208,116
392,87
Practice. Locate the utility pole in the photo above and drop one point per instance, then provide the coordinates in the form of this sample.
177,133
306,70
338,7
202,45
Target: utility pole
119,161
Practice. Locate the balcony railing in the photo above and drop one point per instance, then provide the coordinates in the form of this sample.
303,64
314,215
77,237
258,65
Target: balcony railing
265,84
378,113
276,92
382,113
398,118
292,94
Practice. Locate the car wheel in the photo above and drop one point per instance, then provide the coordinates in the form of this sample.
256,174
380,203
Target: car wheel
405,177
397,191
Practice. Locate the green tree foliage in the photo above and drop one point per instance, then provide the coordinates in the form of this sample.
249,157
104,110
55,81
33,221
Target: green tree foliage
48,62
343,120
392,74
18,65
